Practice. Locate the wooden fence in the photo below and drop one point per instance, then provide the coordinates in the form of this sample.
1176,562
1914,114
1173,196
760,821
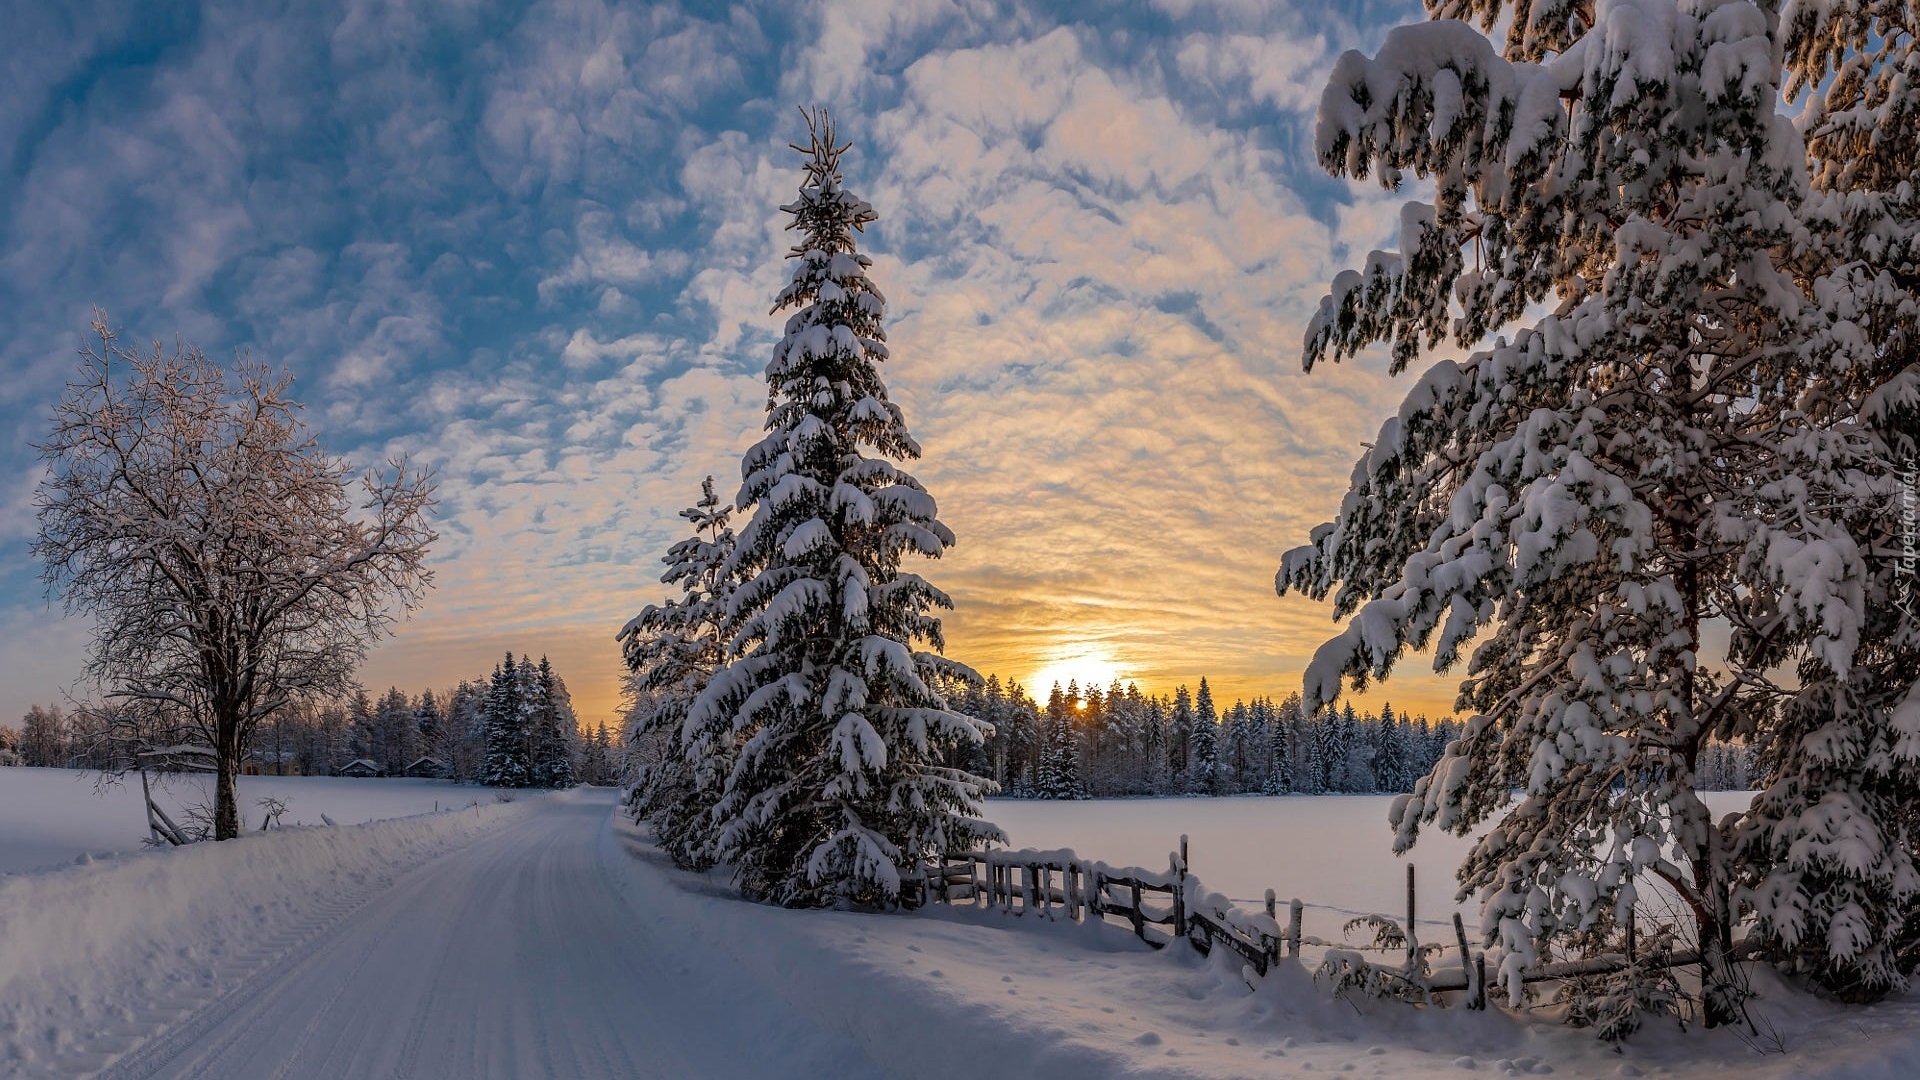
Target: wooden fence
1160,908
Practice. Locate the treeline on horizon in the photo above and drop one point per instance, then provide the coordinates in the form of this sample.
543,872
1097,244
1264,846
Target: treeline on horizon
1120,742
515,727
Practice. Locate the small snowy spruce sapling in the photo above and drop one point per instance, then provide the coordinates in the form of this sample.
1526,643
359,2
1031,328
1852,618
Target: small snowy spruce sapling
836,788
1677,443
672,650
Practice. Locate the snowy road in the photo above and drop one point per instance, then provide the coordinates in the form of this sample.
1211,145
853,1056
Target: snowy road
517,955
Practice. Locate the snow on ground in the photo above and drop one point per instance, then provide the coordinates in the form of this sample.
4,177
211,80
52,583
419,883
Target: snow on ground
53,816
546,938
94,957
966,991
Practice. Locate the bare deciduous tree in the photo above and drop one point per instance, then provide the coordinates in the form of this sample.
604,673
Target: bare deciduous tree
219,551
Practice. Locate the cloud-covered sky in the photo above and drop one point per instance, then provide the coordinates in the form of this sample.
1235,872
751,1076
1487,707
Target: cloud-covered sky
534,246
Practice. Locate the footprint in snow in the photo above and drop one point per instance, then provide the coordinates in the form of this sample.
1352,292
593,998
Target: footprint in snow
1148,1038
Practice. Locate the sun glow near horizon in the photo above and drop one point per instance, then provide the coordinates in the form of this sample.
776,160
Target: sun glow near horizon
1088,668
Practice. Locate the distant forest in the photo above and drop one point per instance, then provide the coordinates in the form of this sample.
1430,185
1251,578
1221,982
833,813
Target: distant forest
1118,742
513,728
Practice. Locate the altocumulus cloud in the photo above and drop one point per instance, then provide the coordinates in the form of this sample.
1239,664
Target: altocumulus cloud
534,246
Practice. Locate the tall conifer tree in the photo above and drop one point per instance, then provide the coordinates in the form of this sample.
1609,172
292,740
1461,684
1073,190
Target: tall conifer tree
505,764
1704,428
836,789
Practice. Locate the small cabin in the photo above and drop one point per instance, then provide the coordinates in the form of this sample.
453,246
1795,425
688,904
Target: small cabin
359,767
427,767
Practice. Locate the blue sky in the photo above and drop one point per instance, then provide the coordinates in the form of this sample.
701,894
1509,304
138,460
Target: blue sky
534,246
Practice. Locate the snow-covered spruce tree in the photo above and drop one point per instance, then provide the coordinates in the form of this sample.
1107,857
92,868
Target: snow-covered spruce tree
505,764
1280,747
1203,745
552,759
835,790
1655,454
1059,772
1236,734
1390,771
672,650
1828,850
429,728
1179,736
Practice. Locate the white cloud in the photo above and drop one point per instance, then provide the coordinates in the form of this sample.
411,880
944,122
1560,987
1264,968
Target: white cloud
542,275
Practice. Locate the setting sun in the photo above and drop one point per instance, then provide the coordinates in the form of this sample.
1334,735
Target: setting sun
1089,669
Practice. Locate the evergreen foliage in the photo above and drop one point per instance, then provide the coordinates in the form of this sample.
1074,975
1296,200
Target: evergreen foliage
672,650
837,725
1060,758
550,763
1707,427
1203,745
506,729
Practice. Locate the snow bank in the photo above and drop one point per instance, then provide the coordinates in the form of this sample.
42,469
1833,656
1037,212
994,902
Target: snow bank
91,947
50,817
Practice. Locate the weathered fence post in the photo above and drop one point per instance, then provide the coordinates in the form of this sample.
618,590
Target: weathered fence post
1413,935
1180,892
1466,958
1479,982
1139,917
1293,927
1273,915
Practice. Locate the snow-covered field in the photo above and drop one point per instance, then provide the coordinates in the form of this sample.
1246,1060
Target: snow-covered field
54,816
1333,852
546,938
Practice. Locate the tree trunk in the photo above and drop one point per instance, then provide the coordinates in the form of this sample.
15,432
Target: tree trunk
1722,998
226,789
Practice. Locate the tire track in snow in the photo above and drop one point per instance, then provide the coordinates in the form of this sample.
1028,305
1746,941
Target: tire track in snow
177,1038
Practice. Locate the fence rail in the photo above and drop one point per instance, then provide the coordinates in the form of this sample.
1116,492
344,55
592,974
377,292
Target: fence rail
1160,908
